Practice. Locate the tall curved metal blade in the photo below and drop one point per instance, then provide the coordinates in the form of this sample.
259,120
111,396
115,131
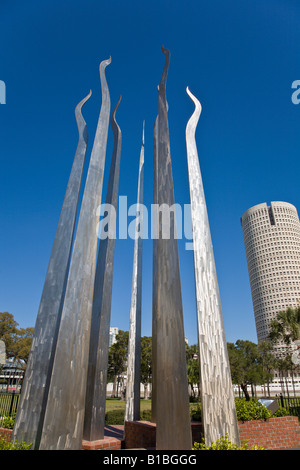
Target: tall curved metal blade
99,343
35,386
132,406
154,384
173,426
218,407
64,416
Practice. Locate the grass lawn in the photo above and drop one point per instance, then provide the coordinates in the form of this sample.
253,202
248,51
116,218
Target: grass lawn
112,404
114,410
115,404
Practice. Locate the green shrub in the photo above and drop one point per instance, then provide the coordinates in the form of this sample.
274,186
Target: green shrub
146,415
193,399
245,410
196,412
114,417
224,444
5,444
281,412
117,416
8,421
248,410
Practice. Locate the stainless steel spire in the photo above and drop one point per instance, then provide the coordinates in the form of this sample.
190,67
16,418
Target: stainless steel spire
99,343
218,407
154,274
173,426
132,408
64,416
35,386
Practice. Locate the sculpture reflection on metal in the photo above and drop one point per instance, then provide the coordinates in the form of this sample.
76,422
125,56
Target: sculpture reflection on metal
218,407
99,342
173,426
132,407
34,393
64,416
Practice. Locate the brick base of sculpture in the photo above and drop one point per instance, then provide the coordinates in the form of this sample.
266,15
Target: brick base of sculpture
272,434
108,443
142,434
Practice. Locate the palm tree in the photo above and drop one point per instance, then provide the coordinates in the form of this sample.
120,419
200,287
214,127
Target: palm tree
286,327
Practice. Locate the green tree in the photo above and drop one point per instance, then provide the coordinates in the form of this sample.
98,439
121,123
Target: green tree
8,332
17,341
286,326
146,362
117,360
192,357
246,365
236,364
292,368
268,361
22,345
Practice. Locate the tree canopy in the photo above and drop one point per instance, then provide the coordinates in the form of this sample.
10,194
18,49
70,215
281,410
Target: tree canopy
286,326
17,340
248,364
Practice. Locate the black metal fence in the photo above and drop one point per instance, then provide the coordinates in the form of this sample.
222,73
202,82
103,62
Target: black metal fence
8,404
292,404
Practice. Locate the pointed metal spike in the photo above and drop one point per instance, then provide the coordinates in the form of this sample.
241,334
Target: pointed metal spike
35,386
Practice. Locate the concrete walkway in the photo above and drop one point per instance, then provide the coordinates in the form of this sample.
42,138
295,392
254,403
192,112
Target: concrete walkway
114,430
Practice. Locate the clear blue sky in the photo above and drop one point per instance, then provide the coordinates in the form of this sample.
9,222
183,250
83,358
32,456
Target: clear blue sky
238,58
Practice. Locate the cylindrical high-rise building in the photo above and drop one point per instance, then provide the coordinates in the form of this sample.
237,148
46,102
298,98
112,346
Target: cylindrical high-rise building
272,242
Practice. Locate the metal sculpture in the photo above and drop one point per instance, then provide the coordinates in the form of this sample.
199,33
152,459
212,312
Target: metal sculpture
173,426
154,274
64,415
218,407
64,389
31,409
99,341
2,353
132,408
